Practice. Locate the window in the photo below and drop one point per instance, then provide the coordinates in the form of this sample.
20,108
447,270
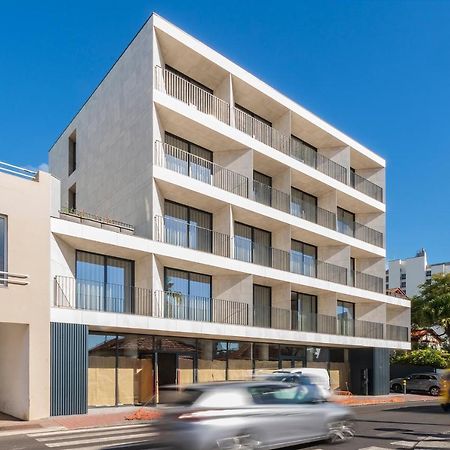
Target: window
303,151
304,312
189,79
303,205
352,177
262,306
303,258
72,152
262,188
187,295
252,124
345,313
187,227
72,200
403,276
345,222
428,273
403,284
352,271
252,114
104,283
196,162
252,244
3,254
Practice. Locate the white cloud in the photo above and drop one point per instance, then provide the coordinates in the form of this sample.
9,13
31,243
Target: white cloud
43,167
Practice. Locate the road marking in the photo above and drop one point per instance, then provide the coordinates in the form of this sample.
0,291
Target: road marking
58,431
85,435
374,448
96,439
16,432
405,444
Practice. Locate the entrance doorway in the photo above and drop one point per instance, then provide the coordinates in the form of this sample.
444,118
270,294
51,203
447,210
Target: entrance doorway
167,368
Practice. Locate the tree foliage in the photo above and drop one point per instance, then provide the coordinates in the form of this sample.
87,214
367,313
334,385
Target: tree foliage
439,359
432,305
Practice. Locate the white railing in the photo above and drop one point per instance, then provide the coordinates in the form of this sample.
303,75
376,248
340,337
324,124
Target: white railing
18,171
176,86
13,278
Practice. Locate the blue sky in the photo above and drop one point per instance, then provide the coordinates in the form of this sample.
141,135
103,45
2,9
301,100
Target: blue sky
377,70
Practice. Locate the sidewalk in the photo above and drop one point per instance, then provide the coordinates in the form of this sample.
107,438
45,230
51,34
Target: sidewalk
103,417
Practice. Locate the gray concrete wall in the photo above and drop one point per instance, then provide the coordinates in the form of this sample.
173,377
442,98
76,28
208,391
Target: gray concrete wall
114,142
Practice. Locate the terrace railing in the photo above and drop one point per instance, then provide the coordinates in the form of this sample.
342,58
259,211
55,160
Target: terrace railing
365,186
397,333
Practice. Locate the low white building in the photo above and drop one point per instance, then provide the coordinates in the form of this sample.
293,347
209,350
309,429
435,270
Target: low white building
408,274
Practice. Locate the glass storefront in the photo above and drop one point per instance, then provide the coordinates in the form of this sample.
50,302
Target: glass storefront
125,369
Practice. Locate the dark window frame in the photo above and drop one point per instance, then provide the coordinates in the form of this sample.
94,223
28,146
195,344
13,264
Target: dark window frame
189,79
253,115
252,228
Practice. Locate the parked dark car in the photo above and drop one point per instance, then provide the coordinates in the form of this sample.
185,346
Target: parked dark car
247,415
418,382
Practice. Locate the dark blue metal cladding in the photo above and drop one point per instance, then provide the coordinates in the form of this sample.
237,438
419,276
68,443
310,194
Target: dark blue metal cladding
381,369
69,365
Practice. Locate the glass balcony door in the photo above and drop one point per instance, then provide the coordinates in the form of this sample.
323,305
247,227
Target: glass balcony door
303,205
303,258
262,188
252,244
187,227
345,222
262,306
104,283
194,161
345,313
187,295
304,312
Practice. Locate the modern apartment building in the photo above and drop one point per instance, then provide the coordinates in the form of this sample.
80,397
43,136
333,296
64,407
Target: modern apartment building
408,274
209,228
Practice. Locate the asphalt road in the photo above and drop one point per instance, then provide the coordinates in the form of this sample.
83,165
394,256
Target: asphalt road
416,425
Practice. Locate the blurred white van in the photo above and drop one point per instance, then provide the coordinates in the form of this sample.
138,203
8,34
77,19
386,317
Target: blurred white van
320,377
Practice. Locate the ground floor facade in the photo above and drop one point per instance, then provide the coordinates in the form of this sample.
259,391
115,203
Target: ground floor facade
92,368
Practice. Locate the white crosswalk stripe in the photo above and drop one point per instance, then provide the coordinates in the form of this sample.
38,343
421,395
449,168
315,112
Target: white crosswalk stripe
95,438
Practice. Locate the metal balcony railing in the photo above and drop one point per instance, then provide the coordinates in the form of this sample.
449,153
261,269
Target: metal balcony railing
267,195
202,100
366,281
116,298
99,296
397,333
183,234
187,92
185,163
174,305
17,171
365,186
102,222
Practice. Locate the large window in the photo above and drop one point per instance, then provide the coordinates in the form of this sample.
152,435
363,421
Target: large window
345,222
120,369
304,311
187,295
104,283
187,227
303,258
262,306
3,256
303,151
303,205
252,244
194,161
345,313
262,188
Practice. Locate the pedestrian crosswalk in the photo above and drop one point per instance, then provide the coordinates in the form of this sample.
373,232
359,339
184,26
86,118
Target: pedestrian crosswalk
96,438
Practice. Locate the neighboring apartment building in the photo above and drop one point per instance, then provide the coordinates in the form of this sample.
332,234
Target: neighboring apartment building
25,210
408,274
210,229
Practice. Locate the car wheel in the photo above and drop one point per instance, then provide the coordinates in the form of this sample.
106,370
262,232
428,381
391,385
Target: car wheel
397,388
434,391
341,431
242,441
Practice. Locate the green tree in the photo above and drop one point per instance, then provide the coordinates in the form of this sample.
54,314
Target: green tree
423,357
432,305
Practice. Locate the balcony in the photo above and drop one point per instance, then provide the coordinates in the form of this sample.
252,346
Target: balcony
207,103
94,296
18,171
190,165
183,234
